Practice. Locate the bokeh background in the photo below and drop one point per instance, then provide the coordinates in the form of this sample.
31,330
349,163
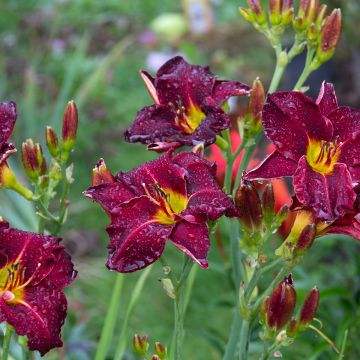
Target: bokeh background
92,51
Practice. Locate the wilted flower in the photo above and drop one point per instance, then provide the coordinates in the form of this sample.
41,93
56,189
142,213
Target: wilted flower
187,107
7,121
317,143
171,197
34,269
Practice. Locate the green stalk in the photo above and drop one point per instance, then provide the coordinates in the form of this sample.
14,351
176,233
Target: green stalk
110,320
307,69
279,70
9,330
135,295
179,308
244,339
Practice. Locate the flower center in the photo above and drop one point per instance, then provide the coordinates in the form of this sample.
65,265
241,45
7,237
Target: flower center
322,155
169,202
189,119
12,282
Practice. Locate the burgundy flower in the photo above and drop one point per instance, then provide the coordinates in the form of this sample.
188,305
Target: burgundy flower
318,144
172,198
34,269
187,107
7,121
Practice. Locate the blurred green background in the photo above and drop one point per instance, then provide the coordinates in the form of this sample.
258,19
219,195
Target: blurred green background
91,51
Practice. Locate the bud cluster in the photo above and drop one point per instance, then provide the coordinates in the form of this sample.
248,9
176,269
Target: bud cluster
257,216
141,347
277,311
312,27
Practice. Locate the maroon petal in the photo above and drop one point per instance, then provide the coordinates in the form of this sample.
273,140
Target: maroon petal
350,150
355,173
351,229
109,195
346,122
223,89
290,119
330,195
162,171
137,240
39,316
193,240
274,166
153,124
327,100
178,82
7,121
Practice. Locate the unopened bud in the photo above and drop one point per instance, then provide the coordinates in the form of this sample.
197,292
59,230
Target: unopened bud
320,15
329,36
141,344
306,14
281,304
52,141
101,174
8,180
309,307
292,328
275,12
247,15
256,101
160,350
257,11
248,203
287,12
268,204
69,129
33,160
305,240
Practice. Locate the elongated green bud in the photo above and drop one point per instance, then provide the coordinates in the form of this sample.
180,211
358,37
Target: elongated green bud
69,129
52,141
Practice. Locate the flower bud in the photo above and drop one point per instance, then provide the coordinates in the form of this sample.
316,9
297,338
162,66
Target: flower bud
268,204
8,180
329,36
275,12
248,203
141,344
305,240
52,141
257,11
287,12
281,304
69,129
292,328
306,14
321,15
33,160
101,174
247,15
155,357
309,307
256,101
160,350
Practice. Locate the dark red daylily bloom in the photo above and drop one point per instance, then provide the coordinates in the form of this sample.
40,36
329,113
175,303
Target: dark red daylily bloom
318,144
7,121
172,198
34,269
187,107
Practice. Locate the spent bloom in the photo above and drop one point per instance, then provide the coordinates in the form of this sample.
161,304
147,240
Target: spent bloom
7,121
187,106
317,143
171,197
34,269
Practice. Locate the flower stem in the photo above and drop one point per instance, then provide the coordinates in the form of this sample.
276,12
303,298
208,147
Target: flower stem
9,330
135,295
279,70
244,339
110,320
307,69
179,308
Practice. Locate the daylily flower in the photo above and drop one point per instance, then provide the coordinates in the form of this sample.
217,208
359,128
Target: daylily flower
187,107
317,143
34,269
7,121
172,198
